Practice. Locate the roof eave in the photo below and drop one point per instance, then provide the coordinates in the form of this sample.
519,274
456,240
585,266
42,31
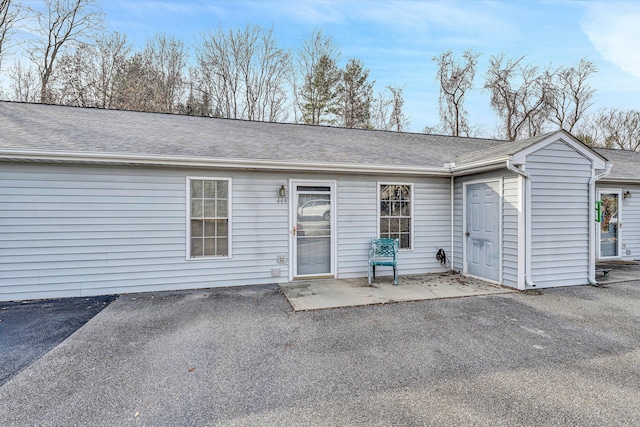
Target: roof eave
481,166
201,162
620,180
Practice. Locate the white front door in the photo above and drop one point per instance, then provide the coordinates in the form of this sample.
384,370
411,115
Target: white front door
482,230
312,213
610,224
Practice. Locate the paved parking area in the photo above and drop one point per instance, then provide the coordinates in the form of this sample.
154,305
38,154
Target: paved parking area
30,329
242,357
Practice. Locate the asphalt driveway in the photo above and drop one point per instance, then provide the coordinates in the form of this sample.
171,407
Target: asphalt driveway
241,356
30,329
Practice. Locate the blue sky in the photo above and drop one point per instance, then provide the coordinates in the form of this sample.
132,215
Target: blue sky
398,39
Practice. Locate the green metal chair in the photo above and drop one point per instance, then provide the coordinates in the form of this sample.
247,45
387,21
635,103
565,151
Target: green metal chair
383,252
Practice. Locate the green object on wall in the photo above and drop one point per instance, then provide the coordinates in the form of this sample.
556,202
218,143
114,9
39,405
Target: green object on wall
599,211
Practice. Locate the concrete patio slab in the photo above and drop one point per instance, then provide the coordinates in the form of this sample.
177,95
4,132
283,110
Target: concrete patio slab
333,293
621,271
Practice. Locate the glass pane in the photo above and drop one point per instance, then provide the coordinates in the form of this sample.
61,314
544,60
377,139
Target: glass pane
196,247
209,228
609,226
209,208
222,209
404,225
223,247
405,242
196,189
209,189
384,225
196,228
223,229
394,225
210,246
223,190
196,208
405,209
384,209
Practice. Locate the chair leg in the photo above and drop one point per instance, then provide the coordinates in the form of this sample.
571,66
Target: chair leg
395,276
374,272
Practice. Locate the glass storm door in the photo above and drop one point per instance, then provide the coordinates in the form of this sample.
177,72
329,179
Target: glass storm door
313,236
609,229
482,230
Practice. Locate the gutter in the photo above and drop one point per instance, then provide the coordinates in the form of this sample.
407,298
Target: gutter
592,233
527,221
199,162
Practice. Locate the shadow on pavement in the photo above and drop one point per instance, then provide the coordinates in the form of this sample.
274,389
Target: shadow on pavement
30,329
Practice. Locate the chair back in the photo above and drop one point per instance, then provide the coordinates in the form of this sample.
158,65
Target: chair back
384,247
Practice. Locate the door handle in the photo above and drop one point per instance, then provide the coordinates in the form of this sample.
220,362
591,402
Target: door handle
466,234
294,231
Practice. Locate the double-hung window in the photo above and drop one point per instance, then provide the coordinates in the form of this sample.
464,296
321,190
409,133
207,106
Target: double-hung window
396,213
209,217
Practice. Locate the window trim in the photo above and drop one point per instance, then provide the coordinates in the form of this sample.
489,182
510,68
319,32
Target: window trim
412,219
229,218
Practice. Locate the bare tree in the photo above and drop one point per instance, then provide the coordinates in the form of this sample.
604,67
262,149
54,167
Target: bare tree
24,83
612,128
455,80
380,112
355,95
318,73
397,119
135,85
243,73
85,75
167,58
387,110
10,13
572,94
62,23
520,95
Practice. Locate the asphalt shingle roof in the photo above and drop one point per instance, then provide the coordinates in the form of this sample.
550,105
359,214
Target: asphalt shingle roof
59,129
84,130
626,164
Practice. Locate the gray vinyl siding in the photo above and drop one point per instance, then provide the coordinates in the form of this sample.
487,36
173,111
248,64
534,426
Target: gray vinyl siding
510,210
559,216
510,240
358,216
77,231
630,216
80,231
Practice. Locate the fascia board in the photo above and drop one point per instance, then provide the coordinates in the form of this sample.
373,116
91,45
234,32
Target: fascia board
199,162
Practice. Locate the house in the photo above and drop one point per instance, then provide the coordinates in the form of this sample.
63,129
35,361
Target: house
103,201
618,233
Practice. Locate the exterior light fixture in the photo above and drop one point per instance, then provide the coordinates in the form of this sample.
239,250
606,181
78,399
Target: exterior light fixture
282,192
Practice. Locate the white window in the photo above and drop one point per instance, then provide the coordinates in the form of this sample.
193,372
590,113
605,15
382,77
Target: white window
209,217
396,212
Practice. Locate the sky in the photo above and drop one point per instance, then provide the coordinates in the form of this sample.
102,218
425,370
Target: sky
397,40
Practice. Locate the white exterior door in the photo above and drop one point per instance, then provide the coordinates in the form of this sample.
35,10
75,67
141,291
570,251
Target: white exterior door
610,224
482,230
313,237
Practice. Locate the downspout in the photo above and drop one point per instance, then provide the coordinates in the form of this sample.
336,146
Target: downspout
526,212
592,234
452,219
